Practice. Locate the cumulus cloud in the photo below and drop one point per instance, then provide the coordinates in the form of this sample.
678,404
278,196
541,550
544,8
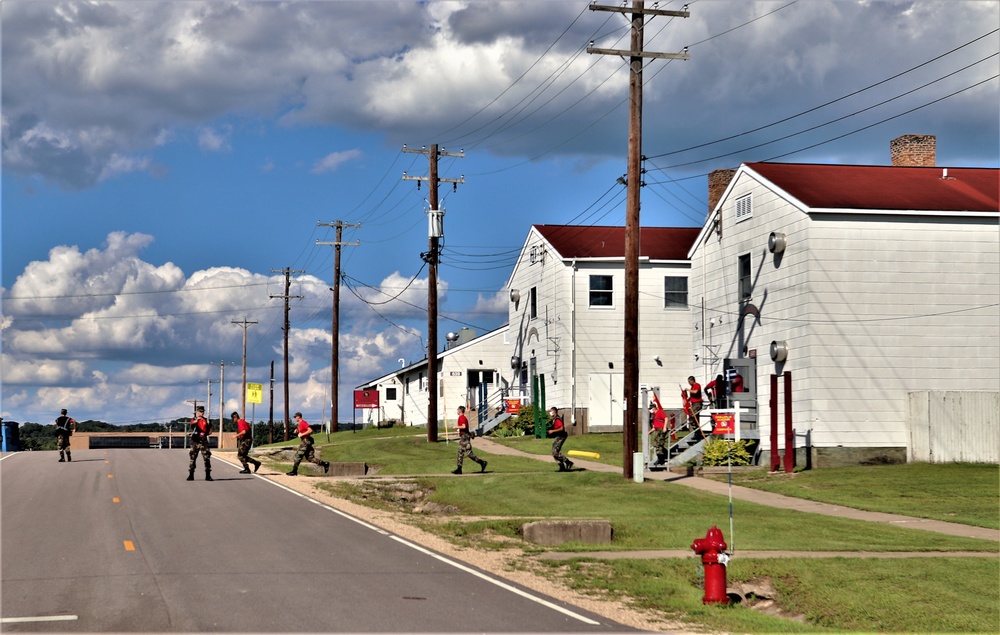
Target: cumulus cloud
334,160
89,87
212,140
123,339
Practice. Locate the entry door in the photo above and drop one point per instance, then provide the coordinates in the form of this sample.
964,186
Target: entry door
605,405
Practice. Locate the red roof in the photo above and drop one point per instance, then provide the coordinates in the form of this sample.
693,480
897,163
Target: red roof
655,243
887,188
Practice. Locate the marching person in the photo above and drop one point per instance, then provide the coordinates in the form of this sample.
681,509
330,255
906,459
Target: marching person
244,440
200,431
65,427
305,450
557,430
465,443
693,396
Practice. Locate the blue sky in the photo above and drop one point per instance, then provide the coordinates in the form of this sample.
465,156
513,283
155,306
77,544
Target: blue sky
162,159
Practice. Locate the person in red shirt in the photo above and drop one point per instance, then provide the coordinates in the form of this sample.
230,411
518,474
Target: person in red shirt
737,383
659,431
200,431
244,441
557,430
305,450
694,399
465,443
715,391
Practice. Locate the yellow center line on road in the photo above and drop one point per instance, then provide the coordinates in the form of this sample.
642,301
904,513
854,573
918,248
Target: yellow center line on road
129,546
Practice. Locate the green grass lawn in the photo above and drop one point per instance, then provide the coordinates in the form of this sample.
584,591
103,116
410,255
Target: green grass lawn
939,594
957,492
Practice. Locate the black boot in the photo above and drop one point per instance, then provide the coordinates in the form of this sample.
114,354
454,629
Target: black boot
256,466
482,466
61,460
245,470
326,467
190,475
569,464
69,457
457,470
208,477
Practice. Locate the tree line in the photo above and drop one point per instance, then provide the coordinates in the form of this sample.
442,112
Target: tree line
37,436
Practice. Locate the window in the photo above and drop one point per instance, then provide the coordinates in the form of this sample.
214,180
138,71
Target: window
601,291
744,208
745,289
420,382
675,292
533,304
390,394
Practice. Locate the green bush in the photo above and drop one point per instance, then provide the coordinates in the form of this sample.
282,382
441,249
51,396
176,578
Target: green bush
718,451
517,426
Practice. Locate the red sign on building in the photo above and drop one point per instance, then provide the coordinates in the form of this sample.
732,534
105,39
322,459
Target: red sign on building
724,422
365,399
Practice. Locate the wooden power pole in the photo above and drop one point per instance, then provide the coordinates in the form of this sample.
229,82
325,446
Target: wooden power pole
435,233
243,402
288,272
335,328
632,225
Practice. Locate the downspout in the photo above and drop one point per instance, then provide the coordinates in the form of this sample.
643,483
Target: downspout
572,341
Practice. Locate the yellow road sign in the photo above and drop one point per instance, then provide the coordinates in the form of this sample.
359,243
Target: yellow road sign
255,392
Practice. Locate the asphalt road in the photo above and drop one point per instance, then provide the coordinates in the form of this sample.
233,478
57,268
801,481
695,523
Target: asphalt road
119,541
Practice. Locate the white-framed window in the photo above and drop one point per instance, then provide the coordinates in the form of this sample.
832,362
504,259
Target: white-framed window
746,287
602,291
744,207
675,292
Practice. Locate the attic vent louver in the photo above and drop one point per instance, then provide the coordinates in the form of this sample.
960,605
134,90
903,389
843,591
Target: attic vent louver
744,208
533,255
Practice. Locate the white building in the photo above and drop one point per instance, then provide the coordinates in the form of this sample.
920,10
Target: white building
870,285
469,373
567,293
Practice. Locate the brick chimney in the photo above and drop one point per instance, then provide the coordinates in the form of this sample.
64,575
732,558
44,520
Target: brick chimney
718,181
913,150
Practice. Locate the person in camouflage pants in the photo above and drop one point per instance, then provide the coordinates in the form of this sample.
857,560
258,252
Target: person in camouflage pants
65,427
244,441
465,443
557,430
200,429
305,449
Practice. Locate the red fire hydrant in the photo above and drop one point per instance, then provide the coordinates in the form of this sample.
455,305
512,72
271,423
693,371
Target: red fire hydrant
712,549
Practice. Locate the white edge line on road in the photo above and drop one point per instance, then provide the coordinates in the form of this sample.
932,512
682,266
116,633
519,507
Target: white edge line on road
41,618
448,561
502,585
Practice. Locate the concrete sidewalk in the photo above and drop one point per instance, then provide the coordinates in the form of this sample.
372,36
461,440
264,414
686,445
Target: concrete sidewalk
767,498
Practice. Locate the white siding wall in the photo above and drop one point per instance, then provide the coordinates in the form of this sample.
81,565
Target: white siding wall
564,298
871,307
901,305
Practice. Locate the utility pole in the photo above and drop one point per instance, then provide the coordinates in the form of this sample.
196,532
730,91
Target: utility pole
288,284
632,225
243,402
270,415
335,327
435,233
208,401
222,398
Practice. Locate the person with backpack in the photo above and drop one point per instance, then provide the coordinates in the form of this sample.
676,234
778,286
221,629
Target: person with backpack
200,431
557,430
65,427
